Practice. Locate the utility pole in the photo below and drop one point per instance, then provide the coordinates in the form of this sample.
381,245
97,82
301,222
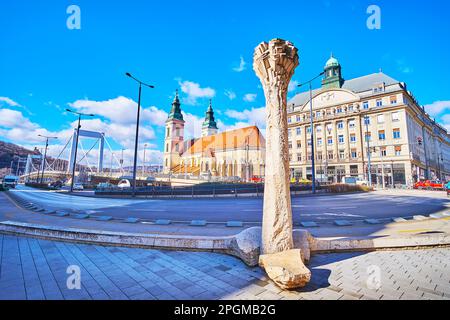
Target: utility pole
369,164
137,129
312,129
45,154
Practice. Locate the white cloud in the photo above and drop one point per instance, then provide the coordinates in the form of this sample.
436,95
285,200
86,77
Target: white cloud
249,117
445,120
194,92
193,126
230,94
242,65
120,110
293,85
250,97
437,108
9,102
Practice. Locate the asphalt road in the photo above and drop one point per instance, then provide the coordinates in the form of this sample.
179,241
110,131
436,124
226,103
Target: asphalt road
328,208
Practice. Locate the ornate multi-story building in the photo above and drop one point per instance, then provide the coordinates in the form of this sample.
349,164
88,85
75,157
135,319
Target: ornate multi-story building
373,112
236,153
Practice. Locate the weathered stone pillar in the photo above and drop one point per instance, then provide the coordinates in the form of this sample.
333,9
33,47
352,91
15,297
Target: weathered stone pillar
275,63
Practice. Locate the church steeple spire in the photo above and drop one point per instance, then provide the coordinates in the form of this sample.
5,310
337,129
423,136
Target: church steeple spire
209,125
175,112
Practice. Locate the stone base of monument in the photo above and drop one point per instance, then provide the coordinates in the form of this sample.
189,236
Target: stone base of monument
247,245
286,269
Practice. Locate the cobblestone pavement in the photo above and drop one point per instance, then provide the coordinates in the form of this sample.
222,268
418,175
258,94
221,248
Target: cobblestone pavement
37,269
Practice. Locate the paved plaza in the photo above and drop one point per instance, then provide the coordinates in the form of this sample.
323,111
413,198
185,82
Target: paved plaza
37,269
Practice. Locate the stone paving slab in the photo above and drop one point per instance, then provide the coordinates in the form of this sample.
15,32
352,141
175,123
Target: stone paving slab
37,270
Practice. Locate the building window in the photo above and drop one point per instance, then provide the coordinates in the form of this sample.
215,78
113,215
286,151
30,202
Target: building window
290,157
350,107
168,132
367,120
381,135
167,147
354,154
299,131
393,99
341,139
319,128
319,141
289,133
339,110
330,141
352,124
353,138
308,130
398,150
340,125
379,103
368,136
380,118
341,154
396,133
395,116
330,156
177,147
366,105
383,152
290,145
309,157
318,114
309,142
299,157
299,144
319,156
298,118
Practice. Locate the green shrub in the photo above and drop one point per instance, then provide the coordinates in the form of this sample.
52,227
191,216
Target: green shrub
346,188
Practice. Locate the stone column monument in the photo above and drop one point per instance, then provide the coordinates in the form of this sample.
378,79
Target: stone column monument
275,63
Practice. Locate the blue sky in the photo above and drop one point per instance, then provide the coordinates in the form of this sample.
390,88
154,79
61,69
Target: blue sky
203,48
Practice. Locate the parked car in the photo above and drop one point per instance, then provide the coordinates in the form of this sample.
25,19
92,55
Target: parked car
447,186
361,182
429,185
10,181
256,179
124,183
78,187
56,184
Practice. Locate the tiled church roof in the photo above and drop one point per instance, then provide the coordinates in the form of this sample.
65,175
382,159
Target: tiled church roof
226,141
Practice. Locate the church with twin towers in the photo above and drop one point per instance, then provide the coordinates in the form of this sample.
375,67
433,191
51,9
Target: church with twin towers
235,153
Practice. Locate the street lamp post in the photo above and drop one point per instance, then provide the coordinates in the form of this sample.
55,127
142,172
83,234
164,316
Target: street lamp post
137,129
45,154
312,129
79,114
369,160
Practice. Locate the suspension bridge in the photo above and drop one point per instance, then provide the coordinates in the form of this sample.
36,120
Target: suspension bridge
60,168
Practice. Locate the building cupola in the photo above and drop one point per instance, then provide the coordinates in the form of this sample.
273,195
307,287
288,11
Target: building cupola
175,112
333,75
209,125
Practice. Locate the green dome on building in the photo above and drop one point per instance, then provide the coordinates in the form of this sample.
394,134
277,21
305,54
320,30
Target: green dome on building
332,62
